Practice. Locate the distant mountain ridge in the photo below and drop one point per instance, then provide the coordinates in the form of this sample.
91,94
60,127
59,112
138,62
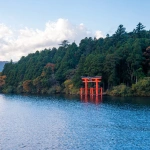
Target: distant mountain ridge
2,63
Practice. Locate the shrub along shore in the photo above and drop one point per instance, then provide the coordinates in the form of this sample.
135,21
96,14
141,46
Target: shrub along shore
141,88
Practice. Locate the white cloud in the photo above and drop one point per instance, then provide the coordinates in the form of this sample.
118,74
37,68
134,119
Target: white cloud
4,31
14,44
98,34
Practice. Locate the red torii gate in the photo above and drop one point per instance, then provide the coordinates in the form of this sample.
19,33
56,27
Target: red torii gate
93,91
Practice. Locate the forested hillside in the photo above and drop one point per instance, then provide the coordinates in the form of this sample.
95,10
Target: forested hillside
121,59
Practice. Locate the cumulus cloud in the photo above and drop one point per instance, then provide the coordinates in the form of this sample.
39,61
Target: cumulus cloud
4,31
14,44
98,34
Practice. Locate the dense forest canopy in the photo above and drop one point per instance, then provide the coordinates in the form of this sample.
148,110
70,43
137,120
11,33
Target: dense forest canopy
123,58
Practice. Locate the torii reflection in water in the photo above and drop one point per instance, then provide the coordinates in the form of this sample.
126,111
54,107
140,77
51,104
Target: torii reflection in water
91,99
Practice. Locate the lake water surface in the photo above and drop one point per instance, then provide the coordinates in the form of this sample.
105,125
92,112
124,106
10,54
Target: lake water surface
67,123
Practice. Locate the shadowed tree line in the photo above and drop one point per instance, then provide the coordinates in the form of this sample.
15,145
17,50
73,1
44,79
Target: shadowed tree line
122,59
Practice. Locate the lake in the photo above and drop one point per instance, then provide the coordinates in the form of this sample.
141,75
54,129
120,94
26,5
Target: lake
60,122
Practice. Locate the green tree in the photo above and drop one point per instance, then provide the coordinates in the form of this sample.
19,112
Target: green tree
64,43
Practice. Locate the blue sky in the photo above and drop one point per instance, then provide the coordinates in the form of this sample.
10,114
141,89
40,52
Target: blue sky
73,20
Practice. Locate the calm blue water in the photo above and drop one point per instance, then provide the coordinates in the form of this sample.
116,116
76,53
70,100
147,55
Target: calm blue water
67,123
